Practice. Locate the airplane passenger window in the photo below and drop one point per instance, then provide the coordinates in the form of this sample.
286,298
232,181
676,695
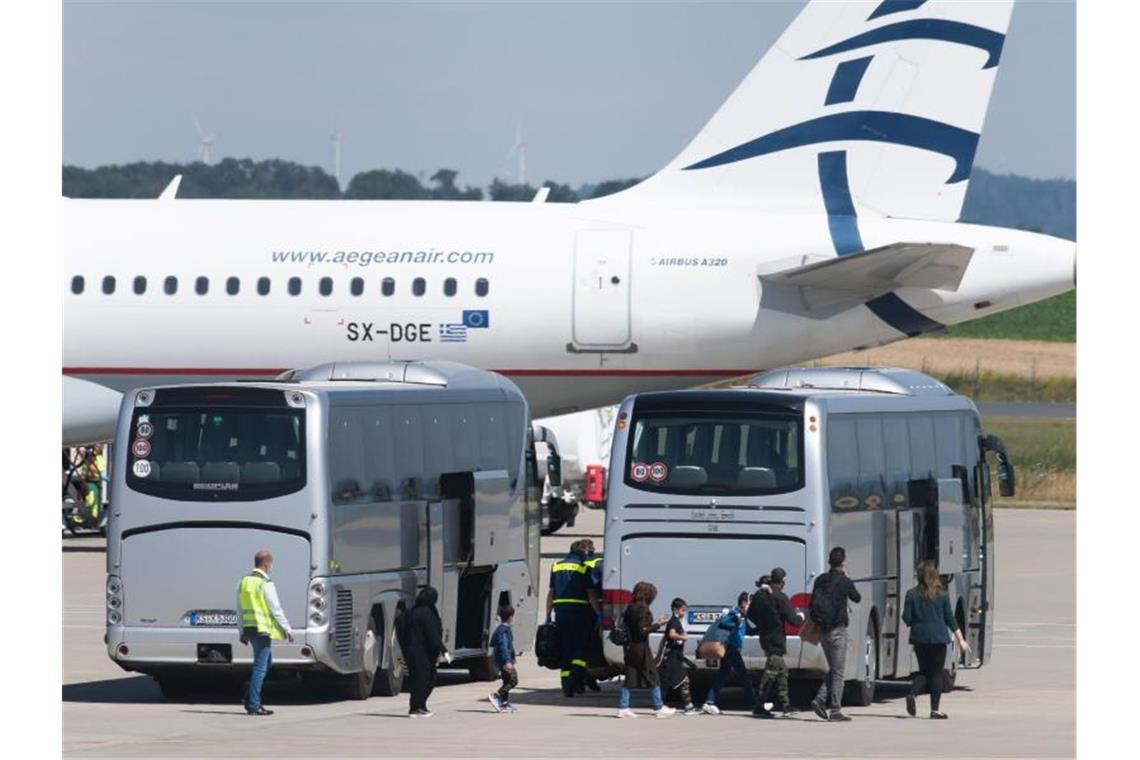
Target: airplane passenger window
294,286
140,285
419,286
263,286
77,284
233,285
482,286
202,286
449,286
357,285
109,284
170,285
325,286
388,287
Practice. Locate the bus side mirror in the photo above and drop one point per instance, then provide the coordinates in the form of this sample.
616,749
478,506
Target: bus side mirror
1007,484
554,468
1007,480
553,458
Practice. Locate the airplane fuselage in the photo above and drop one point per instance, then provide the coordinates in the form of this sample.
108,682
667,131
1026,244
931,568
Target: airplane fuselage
579,303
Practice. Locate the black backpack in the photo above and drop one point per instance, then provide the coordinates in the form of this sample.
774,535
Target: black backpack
822,610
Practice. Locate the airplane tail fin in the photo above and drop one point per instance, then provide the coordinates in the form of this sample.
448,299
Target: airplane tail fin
870,107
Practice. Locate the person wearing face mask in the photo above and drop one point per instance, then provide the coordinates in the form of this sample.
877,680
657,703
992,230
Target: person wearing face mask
262,621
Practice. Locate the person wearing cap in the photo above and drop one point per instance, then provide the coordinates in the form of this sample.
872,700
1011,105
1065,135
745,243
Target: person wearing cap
769,611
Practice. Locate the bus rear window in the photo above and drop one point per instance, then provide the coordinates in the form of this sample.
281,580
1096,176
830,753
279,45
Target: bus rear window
225,453
736,453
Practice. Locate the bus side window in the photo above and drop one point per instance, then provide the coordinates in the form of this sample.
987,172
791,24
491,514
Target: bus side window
346,456
872,462
842,462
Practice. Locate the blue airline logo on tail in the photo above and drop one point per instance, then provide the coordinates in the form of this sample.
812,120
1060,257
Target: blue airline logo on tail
878,126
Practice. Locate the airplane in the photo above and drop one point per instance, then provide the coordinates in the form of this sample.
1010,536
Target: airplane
815,213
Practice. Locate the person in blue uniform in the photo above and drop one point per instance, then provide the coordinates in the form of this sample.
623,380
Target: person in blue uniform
572,603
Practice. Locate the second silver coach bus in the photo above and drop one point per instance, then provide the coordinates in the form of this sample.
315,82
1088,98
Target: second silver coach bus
365,481
709,489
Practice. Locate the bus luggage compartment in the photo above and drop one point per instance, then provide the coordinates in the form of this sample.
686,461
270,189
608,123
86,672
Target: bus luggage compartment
163,621
709,571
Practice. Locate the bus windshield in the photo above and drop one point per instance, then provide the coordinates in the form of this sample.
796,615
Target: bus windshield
736,453
224,453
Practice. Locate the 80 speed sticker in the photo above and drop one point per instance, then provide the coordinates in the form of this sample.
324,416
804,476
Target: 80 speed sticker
639,472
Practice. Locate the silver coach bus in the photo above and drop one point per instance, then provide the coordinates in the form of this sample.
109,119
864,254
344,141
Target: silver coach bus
710,489
365,481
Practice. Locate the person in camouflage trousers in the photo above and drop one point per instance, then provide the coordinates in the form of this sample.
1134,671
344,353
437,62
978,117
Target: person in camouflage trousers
769,610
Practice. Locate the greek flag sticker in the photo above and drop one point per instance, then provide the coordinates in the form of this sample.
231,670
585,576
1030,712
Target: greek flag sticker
452,333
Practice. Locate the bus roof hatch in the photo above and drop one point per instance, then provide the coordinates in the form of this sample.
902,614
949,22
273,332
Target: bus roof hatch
894,380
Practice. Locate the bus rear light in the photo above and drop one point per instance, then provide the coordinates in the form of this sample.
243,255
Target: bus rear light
114,619
306,652
616,596
316,618
800,603
595,492
123,650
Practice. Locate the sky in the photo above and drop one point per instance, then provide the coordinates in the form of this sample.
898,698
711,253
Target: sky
599,90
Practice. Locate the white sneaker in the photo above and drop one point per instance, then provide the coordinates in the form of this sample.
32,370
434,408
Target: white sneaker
665,712
626,713
493,697
708,709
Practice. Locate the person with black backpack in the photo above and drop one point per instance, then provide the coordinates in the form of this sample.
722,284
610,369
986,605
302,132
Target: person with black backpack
828,611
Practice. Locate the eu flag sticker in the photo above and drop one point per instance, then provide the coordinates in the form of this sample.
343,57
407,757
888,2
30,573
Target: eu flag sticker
476,318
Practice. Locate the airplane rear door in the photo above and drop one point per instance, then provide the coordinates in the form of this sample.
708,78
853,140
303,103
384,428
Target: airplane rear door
601,291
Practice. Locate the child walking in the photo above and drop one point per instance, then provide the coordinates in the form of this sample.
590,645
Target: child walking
503,645
673,673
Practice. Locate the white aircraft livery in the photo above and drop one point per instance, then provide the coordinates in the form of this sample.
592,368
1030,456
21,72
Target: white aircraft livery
815,213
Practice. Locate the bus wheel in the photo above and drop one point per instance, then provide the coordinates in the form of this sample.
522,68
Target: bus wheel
359,685
390,680
483,669
861,691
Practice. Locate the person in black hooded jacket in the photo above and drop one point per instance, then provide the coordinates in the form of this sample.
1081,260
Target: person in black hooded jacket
423,634
770,610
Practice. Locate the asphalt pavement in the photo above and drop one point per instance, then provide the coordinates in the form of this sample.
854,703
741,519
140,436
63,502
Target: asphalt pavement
1023,704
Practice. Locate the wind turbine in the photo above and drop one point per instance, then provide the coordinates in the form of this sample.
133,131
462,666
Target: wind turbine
205,142
518,153
336,138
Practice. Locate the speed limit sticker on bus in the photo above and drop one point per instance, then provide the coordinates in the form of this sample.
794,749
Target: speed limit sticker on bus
639,472
141,448
144,430
141,468
658,471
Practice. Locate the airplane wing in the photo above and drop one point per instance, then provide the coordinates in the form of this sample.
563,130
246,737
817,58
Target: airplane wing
822,288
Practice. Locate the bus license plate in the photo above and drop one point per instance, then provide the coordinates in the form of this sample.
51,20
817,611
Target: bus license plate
704,616
213,618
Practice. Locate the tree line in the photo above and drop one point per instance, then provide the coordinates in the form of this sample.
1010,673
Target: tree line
278,179
1003,200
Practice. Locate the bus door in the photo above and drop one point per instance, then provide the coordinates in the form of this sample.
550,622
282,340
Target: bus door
908,549
436,577
601,291
979,614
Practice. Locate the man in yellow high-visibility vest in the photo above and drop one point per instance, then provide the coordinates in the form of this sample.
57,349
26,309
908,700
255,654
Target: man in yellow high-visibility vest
262,621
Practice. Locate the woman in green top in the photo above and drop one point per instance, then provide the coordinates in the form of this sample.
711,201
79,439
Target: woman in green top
927,612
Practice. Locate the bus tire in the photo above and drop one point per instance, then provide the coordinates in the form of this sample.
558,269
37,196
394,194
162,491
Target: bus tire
359,685
860,692
483,669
